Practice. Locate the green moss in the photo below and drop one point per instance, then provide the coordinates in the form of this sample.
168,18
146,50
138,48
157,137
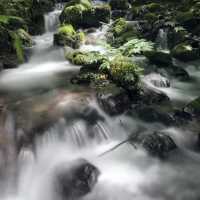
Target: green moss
194,106
89,60
159,57
67,30
80,15
12,22
151,17
120,32
153,7
67,35
103,13
18,47
185,52
125,72
25,38
184,16
85,3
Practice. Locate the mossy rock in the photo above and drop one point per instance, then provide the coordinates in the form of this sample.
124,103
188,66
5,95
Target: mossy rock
31,11
194,107
102,13
67,36
86,3
26,38
125,72
159,57
95,80
12,22
150,17
81,16
189,19
91,61
121,32
153,7
119,4
18,46
185,52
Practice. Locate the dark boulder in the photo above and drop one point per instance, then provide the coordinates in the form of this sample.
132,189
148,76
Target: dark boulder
193,107
152,115
151,95
158,144
113,100
76,179
157,80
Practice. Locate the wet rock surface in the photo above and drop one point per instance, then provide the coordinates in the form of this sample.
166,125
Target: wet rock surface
76,179
113,100
158,144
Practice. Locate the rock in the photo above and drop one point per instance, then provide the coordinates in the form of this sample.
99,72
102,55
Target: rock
113,100
31,11
190,18
66,35
82,14
152,114
125,72
193,107
25,38
76,179
12,23
91,61
121,32
181,117
185,52
158,144
157,80
159,57
178,72
150,95
119,4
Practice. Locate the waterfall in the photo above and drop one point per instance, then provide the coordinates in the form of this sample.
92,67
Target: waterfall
52,18
162,39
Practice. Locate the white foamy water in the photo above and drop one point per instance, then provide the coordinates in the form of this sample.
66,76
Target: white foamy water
126,173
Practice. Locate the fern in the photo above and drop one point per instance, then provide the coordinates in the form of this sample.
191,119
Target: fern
136,46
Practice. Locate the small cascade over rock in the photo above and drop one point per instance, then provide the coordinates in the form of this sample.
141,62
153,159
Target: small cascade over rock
52,18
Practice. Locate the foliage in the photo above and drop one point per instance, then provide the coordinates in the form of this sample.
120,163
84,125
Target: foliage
124,71
91,60
17,44
136,46
121,32
67,35
81,13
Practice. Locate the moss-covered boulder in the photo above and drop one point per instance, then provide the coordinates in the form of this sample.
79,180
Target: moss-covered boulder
189,19
14,39
125,72
31,11
159,57
84,14
194,107
113,100
148,11
67,36
119,4
91,61
185,52
25,38
12,22
121,32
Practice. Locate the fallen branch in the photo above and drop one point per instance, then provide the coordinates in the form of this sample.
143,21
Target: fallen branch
130,140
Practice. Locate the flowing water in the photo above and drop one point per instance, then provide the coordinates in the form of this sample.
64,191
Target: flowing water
36,93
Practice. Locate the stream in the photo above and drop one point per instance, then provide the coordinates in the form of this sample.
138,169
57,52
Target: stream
40,91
